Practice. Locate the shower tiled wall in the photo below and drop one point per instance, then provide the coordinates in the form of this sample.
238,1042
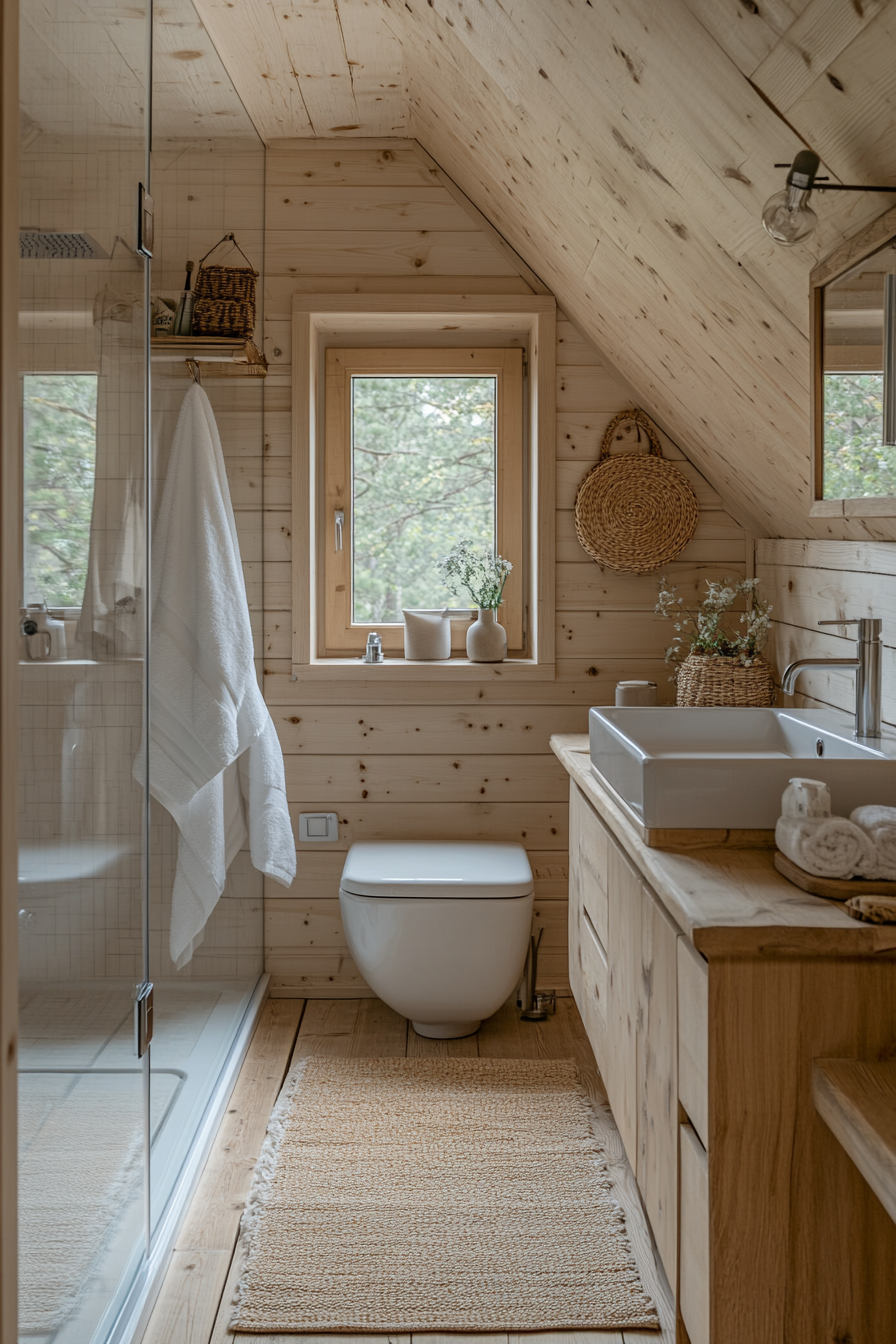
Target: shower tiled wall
81,720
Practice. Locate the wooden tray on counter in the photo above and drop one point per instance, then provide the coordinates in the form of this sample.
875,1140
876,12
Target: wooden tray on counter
832,888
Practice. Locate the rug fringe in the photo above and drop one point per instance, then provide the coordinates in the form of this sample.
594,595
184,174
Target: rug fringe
264,1170
610,1186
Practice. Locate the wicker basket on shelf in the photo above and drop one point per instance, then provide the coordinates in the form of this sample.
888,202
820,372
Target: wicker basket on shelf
225,297
708,679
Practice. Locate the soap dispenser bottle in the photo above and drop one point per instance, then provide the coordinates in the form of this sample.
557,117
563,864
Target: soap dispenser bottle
45,634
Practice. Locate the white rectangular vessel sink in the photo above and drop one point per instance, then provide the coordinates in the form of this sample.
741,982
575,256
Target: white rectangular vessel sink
727,768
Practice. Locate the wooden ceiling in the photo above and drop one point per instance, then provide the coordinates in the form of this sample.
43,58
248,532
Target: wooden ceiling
82,73
625,149
312,67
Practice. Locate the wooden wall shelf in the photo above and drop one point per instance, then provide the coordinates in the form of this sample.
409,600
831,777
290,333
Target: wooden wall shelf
221,356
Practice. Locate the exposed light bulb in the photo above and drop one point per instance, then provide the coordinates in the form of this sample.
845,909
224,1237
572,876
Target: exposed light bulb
787,216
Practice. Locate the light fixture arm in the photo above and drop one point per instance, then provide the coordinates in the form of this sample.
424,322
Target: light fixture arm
787,216
822,184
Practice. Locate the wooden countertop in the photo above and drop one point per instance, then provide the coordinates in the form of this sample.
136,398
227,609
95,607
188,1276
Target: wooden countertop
729,902
857,1100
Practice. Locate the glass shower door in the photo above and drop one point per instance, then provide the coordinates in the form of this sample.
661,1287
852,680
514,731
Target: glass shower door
87,1111
205,185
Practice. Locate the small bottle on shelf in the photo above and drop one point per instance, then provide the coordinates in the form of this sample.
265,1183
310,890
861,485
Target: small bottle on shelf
183,317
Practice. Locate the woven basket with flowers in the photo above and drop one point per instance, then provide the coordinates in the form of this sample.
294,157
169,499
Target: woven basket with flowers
716,651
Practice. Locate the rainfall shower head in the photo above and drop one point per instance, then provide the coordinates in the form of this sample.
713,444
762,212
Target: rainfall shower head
38,245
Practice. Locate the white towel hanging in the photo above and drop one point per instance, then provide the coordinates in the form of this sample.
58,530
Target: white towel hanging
206,710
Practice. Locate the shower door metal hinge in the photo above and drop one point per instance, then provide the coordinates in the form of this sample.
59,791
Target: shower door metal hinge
143,1017
145,222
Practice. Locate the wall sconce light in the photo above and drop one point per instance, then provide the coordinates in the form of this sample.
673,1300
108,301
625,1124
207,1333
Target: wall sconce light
787,216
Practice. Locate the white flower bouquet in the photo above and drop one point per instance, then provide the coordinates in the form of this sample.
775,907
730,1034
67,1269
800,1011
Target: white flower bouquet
705,631
478,571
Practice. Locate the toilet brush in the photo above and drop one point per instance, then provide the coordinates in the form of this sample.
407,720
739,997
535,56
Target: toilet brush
530,1013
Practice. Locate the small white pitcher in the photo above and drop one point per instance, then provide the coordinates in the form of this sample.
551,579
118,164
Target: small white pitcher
427,636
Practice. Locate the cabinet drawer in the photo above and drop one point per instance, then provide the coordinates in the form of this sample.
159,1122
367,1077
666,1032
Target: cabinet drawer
593,984
590,845
694,1245
693,1038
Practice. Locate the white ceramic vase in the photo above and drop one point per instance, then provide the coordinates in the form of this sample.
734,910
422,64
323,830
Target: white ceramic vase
486,638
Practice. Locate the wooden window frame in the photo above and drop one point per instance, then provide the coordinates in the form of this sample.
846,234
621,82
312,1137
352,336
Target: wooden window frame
340,636
844,258
372,322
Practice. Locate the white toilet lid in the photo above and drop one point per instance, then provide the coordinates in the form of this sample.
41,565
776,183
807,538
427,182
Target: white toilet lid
466,871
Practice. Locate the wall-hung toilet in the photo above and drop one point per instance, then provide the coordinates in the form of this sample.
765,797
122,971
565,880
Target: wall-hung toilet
439,931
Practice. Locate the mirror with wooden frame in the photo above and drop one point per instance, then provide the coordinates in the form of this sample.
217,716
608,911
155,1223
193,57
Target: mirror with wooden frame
853,294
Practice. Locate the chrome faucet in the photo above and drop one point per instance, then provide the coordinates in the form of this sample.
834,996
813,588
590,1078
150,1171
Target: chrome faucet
866,665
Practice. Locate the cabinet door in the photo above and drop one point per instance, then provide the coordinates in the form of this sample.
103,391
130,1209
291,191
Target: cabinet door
693,1293
693,1037
589,843
657,1166
624,965
588,975
576,803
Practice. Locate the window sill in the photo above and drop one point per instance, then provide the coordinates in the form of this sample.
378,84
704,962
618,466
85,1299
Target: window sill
879,506
402,669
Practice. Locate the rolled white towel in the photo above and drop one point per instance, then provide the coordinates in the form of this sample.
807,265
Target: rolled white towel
806,798
873,814
827,847
879,824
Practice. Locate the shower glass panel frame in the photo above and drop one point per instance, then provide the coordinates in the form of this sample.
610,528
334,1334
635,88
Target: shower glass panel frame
87,1102
105,105
208,173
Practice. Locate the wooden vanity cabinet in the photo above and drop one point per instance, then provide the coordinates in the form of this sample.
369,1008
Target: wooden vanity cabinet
767,1232
624,983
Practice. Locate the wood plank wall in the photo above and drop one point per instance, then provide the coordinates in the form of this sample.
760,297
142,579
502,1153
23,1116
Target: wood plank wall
437,761
811,581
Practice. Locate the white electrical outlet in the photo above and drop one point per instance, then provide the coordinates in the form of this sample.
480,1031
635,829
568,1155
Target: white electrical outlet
319,826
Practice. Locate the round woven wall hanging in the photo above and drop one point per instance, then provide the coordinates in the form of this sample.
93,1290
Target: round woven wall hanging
634,512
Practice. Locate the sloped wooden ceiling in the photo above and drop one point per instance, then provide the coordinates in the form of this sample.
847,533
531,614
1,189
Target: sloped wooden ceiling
625,148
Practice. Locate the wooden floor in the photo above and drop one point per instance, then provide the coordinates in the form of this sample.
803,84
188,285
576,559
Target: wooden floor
194,1304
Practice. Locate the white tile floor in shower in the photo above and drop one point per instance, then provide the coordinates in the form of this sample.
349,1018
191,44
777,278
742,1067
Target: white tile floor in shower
81,1131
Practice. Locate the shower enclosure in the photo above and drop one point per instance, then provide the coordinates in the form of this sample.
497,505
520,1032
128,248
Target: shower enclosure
114,103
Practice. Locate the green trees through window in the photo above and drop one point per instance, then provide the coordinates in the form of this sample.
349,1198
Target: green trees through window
59,473
424,477
857,463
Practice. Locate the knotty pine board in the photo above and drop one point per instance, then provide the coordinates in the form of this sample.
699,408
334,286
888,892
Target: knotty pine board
811,581
467,732
427,778
429,750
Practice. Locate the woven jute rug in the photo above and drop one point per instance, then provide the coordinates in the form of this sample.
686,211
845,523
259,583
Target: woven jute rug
435,1194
